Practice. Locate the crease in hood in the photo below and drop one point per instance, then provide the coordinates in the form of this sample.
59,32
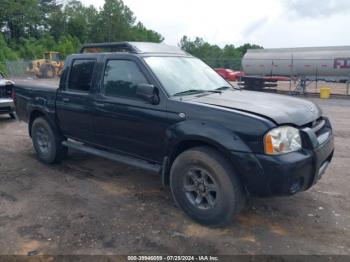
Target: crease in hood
281,109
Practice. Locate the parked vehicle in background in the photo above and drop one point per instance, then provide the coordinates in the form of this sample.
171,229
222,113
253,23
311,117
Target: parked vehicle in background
158,108
6,102
229,74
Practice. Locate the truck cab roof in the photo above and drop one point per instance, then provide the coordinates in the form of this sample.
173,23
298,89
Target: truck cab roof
132,47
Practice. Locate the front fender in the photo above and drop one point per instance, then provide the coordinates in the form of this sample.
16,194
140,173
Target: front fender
203,131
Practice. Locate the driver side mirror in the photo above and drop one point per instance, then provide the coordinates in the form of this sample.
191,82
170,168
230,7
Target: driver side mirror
148,93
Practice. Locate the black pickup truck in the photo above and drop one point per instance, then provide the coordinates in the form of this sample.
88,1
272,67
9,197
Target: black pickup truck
156,107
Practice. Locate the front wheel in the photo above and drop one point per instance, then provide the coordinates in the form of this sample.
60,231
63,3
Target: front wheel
47,142
206,187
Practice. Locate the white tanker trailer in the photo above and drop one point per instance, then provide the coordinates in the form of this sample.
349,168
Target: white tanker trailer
306,64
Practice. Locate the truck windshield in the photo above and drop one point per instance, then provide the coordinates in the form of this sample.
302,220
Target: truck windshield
185,75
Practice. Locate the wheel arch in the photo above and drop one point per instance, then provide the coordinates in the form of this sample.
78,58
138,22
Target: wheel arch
184,145
34,114
191,134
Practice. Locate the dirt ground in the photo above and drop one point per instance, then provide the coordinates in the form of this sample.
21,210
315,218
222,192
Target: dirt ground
89,205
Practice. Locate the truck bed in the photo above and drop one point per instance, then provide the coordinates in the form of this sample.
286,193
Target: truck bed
46,83
29,97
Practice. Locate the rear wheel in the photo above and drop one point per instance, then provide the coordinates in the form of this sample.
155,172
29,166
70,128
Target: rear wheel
206,187
47,142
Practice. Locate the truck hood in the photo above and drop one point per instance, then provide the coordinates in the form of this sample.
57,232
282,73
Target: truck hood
281,109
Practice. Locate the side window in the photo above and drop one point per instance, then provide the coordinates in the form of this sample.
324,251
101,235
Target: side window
80,75
121,78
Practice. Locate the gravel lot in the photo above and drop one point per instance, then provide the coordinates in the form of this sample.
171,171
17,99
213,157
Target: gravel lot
89,205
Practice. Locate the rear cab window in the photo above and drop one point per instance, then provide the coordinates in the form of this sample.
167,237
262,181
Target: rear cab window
80,76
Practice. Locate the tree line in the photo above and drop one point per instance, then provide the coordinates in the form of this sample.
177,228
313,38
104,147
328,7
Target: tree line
228,57
30,27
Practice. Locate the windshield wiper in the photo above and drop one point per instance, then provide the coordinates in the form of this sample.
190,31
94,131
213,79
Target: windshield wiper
227,87
196,91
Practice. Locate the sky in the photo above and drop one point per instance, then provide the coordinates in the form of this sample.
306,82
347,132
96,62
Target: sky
269,23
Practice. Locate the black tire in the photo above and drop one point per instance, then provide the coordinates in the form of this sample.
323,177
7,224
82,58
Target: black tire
12,115
47,142
219,206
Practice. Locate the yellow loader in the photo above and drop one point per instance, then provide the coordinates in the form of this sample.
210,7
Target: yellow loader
50,66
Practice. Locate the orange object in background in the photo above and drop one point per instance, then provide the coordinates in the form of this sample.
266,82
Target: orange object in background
229,74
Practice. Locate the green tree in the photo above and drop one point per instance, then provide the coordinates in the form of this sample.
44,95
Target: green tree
19,18
140,33
6,53
93,20
76,22
31,27
115,21
243,49
67,45
228,57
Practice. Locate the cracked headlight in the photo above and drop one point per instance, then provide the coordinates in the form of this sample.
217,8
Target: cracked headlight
282,140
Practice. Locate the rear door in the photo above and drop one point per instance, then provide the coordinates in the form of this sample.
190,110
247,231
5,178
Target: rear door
74,100
123,121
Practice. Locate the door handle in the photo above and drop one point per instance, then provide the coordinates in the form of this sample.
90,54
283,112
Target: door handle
65,99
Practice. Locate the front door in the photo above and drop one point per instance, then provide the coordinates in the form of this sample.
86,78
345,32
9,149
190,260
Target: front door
123,121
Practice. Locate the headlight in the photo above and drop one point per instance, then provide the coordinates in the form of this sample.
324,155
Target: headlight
282,140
